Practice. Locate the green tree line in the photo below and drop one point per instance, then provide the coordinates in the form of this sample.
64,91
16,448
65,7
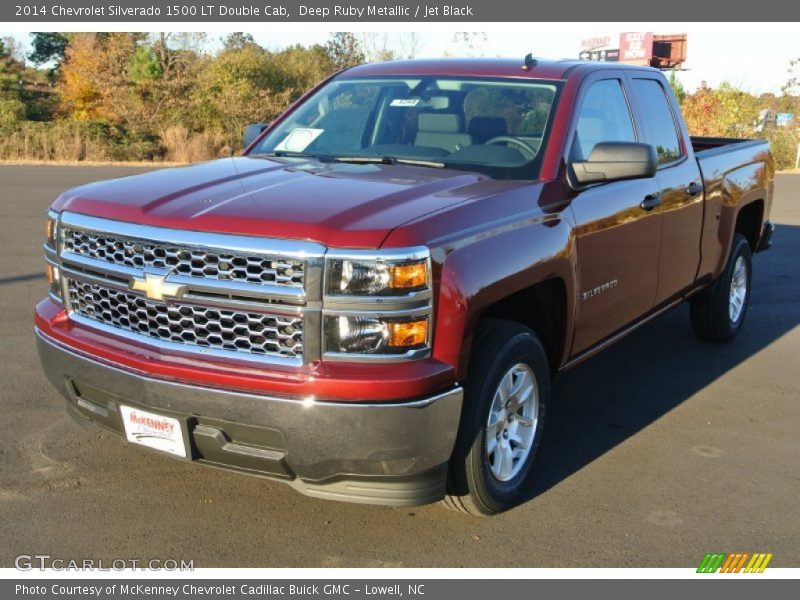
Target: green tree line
165,96
136,96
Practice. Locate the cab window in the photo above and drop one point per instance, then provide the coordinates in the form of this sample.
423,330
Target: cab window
604,116
657,120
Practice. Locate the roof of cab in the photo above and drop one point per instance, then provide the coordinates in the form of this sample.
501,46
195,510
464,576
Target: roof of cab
479,67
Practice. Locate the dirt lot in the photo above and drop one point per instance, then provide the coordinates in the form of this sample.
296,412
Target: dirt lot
657,451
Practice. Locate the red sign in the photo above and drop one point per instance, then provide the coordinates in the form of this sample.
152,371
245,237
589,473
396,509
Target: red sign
636,48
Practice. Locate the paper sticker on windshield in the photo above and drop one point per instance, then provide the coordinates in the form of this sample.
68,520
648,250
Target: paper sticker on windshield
299,139
404,102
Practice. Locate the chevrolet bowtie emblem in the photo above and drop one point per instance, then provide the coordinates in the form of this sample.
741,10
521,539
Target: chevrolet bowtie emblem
155,286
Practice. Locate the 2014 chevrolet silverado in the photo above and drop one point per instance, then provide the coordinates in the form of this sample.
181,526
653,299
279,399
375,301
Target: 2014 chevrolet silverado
371,301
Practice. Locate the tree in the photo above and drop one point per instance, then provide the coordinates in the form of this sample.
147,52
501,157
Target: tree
95,81
237,40
12,108
234,89
410,44
375,47
792,85
469,43
144,67
13,49
49,47
163,71
344,50
724,111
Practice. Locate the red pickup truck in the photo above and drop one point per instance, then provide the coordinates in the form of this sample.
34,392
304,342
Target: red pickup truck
371,302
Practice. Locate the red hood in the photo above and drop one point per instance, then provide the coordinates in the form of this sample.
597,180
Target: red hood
335,204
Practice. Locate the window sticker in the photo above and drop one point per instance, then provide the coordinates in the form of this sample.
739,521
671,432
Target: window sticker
404,102
299,139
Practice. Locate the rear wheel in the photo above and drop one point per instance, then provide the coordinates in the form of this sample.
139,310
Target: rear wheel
718,313
505,400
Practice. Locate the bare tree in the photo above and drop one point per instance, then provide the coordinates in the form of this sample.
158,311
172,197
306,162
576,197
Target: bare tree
376,46
792,85
469,43
410,43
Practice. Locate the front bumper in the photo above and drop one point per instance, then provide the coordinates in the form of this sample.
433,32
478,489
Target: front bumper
380,453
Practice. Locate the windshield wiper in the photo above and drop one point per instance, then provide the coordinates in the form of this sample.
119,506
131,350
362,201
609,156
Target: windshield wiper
290,154
389,160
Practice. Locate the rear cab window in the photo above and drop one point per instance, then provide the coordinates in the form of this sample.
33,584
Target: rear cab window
658,121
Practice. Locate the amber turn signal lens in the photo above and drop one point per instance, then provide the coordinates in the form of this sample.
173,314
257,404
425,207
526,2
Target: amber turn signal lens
48,229
408,276
50,275
409,333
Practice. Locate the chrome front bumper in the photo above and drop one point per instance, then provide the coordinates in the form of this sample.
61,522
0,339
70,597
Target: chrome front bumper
380,453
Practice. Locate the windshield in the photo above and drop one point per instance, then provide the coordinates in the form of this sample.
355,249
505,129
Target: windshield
494,126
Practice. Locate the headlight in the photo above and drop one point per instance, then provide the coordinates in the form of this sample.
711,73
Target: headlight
375,335
50,250
393,275
377,304
50,230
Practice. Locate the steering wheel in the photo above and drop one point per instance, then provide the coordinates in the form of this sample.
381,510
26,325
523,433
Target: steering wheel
507,139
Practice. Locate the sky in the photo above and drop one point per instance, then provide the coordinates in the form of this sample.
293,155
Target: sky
752,56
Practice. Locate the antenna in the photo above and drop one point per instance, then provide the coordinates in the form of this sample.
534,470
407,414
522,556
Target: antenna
529,62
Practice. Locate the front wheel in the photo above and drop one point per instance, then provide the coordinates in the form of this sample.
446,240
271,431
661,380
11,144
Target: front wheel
718,313
505,400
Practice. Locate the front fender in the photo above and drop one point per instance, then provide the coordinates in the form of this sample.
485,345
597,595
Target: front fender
488,267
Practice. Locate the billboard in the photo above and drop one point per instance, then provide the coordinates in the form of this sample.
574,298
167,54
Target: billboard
636,48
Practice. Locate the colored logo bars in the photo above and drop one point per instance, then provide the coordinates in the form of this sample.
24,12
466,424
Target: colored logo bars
734,563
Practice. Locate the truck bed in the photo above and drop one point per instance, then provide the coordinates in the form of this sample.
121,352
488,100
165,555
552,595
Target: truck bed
703,146
734,172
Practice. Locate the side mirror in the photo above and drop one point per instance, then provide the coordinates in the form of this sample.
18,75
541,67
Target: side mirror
616,161
251,132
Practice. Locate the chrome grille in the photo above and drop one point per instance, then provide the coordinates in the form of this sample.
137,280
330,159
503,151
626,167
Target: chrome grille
192,262
188,324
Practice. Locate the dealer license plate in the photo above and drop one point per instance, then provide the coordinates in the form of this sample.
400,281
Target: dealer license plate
152,430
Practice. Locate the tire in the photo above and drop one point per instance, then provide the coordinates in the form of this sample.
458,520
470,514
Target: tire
718,313
486,483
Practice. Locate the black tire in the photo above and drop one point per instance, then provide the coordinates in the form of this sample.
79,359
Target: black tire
472,487
710,310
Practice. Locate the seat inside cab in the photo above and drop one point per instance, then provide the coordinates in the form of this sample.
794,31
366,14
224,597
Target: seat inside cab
442,130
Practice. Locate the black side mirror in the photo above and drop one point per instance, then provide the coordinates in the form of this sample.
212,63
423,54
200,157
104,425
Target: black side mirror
251,132
616,161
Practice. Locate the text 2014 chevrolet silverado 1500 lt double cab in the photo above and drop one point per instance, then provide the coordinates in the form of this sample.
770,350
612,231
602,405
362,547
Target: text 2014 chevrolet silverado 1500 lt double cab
370,302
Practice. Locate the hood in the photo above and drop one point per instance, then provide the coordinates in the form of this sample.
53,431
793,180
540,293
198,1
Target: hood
335,204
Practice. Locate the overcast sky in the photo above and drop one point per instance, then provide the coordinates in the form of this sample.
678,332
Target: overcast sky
753,56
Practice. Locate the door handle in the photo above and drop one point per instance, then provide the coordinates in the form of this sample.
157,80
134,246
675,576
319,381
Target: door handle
694,188
650,202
